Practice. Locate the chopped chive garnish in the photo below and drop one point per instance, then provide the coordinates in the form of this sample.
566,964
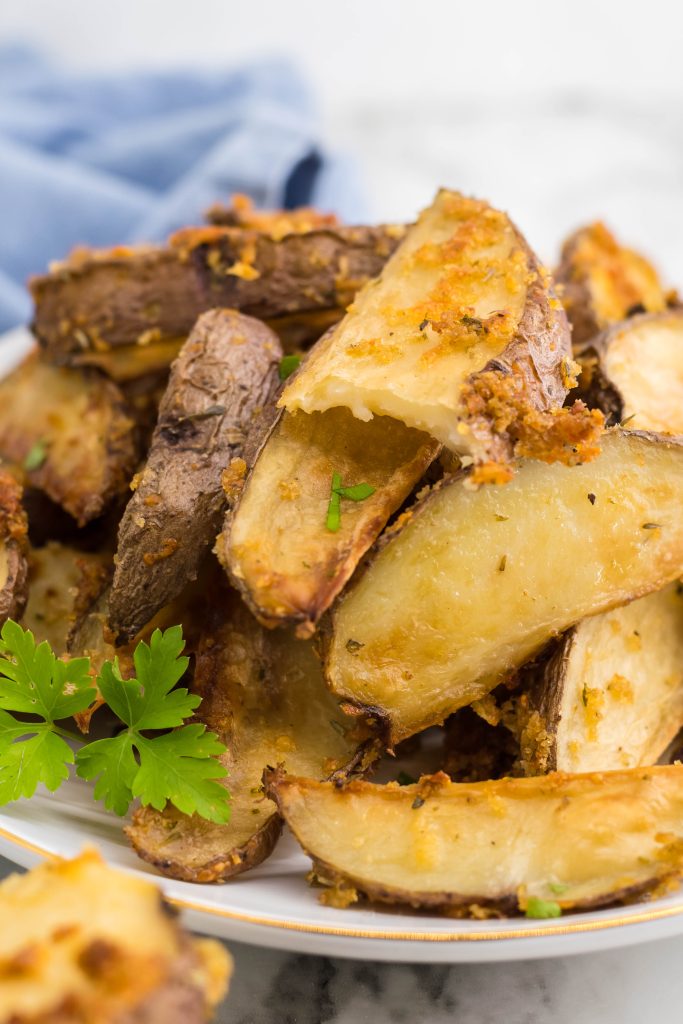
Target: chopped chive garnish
288,364
36,456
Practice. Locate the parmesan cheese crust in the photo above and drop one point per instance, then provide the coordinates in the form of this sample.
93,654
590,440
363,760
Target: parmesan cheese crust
462,294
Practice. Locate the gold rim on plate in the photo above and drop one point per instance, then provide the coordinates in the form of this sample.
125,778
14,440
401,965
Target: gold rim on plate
639,917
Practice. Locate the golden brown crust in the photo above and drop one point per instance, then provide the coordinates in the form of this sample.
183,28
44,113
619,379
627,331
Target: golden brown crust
603,282
240,213
99,301
462,296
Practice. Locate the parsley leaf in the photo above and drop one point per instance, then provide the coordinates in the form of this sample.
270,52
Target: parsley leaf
180,766
288,364
542,909
34,681
357,492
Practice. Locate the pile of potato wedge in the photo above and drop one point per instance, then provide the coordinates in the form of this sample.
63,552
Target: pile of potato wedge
388,479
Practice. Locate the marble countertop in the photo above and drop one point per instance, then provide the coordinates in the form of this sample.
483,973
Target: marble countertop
620,987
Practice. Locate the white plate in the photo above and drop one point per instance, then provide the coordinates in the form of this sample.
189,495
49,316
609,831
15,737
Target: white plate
273,905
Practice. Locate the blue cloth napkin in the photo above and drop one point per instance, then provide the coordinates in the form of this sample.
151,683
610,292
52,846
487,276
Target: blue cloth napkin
101,159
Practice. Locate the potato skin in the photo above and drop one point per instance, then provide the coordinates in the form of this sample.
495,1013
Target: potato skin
13,537
99,300
225,374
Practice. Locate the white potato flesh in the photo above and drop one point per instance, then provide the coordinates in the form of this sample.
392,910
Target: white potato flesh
477,581
644,361
579,840
449,300
621,690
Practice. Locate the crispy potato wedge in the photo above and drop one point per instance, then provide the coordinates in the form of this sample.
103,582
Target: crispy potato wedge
601,282
582,841
263,693
516,566
241,213
57,574
88,943
634,372
462,294
276,545
13,549
610,693
225,374
96,301
71,433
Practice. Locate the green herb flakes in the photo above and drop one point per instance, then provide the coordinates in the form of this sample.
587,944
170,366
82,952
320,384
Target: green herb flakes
542,909
288,364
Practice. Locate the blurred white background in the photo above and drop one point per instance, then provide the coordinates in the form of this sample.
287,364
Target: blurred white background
558,112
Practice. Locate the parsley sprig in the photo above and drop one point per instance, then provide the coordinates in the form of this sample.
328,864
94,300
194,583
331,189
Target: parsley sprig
179,765
357,492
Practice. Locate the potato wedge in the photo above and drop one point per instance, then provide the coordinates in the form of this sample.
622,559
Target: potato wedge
634,372
276,545
225,374
56,576
610,693
13,549
462,294
91,944
71,433
516,566
147,296
601,282
582,841
264,694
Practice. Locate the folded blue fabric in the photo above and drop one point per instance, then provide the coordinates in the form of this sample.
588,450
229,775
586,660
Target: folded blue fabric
106,159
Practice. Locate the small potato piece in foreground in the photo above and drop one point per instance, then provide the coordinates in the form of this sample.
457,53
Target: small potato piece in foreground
276,544
224,376
634,372
13,549
602,282
71,434
475,582
89,944
263,693
462,294
610,693
582,841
